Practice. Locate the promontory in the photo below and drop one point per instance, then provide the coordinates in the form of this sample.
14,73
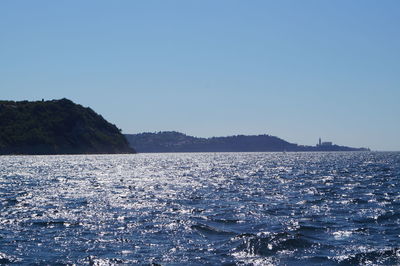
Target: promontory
57,127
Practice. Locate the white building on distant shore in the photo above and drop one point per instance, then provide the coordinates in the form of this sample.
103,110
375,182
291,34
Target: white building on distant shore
325,143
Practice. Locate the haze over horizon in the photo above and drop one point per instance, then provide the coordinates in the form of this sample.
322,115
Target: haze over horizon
298,70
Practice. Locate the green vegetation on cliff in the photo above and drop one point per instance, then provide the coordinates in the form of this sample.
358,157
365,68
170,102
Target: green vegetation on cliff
56,127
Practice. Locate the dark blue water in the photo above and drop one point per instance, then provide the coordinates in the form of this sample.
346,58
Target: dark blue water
210,208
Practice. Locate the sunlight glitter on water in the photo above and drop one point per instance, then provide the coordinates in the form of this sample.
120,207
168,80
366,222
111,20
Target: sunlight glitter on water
204,208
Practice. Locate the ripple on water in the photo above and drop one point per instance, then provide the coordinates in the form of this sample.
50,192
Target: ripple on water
204,208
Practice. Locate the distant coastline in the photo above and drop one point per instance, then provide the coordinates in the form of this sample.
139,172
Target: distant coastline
63,127
172,141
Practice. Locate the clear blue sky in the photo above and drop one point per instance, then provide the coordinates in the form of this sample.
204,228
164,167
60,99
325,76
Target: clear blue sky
295,69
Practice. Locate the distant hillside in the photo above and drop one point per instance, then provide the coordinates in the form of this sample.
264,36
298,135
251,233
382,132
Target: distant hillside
171,141
56,127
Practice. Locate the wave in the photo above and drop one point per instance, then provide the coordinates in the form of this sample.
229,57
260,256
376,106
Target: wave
373,257
268,244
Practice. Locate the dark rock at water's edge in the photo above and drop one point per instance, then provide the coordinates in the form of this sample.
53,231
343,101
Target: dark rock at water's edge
57,127
171,141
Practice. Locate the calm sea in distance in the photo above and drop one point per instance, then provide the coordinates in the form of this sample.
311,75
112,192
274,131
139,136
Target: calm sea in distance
201,208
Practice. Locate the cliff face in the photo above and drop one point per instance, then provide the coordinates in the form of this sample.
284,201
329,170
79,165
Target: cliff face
56,127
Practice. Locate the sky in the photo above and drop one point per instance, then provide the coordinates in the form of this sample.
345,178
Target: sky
298,70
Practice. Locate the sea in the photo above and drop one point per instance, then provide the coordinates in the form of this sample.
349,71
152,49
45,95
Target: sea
201,209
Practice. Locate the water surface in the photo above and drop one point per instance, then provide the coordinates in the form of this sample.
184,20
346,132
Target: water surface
201,208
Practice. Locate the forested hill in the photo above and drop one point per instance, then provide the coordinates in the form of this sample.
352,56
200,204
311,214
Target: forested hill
56,127
171,141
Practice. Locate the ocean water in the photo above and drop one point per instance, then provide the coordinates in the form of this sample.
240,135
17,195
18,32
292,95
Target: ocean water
201,208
